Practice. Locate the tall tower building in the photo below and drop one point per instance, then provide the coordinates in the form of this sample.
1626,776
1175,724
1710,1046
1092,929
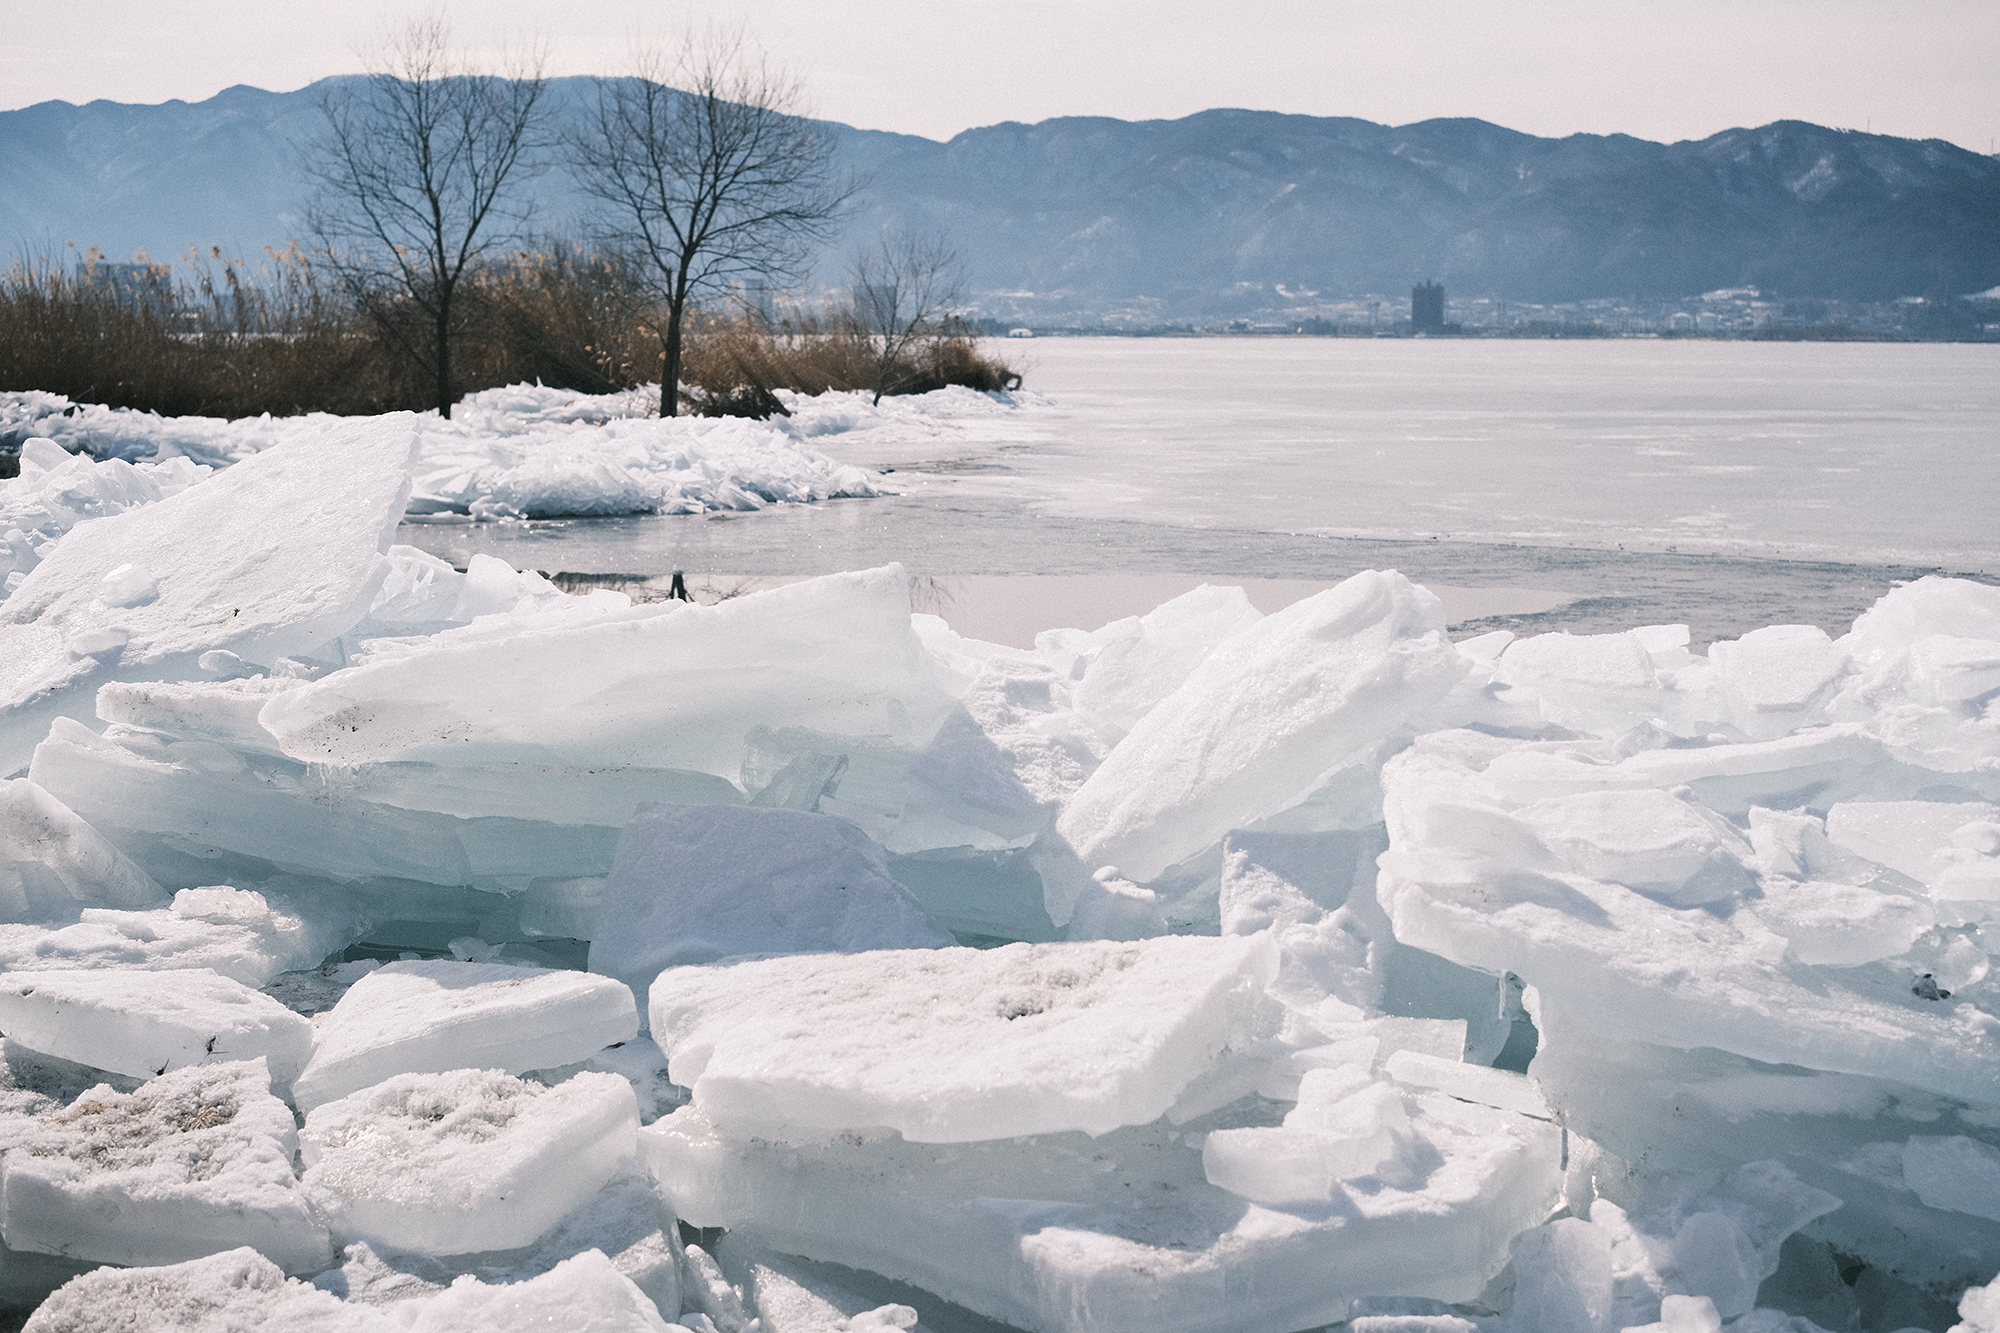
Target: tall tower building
1427,307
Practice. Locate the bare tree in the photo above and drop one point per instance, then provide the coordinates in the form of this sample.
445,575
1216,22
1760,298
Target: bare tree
417,171
906,288
708,173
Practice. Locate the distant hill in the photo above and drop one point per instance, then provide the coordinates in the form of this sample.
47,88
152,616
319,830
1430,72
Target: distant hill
1187,213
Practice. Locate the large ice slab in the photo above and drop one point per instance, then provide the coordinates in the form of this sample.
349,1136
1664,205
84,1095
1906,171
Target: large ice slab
271,559
692,884
428,1017
162,800
465,1161
1262,719
146,1023
678,687
238,1289
51,861
1125,668
953,1045
1123,1233
193,1162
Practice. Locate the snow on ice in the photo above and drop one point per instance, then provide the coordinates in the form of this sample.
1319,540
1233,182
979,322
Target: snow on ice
1203,971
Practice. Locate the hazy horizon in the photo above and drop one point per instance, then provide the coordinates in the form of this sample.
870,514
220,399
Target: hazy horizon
1925,71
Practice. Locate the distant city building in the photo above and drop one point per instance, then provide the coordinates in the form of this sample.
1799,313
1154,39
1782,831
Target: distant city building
1427,307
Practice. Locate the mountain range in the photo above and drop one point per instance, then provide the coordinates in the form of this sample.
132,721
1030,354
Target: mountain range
1220,209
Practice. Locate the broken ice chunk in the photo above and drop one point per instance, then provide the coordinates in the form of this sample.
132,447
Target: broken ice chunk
237,1289
1778,679
677,686
146,1023
793,1295
1345,1125
1130,665
1842,925
50,860
1914,837
1499,1088
949,1045
1125,1225
712,1295
1712,975
273,557
583,1292
1645,839
464,1161
1262,719
221,711
1954,1172
196,1161
627,1222
1587,682
691,884
127,585
1563,1281
430,1016
1979,1309
248,935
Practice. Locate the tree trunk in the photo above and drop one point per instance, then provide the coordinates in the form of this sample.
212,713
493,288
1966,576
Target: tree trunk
670,367
444,359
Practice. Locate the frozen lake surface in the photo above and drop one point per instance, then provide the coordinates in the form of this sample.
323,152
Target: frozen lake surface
1724,484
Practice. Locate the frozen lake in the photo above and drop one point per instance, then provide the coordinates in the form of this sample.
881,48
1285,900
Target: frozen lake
1725,484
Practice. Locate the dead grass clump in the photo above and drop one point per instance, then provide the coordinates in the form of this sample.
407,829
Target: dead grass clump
734,363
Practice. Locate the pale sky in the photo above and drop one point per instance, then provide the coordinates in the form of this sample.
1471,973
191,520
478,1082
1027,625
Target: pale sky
1659,69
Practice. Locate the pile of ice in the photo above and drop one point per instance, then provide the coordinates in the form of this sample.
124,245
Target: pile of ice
385,946
525,451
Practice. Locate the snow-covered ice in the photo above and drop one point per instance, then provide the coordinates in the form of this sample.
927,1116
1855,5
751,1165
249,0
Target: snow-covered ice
236,1289
956,1045
464,1161
192,1162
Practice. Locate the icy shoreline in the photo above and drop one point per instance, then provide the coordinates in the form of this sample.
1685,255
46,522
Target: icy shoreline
386,946
521,451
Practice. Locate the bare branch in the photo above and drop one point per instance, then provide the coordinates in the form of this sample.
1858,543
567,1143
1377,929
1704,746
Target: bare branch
416,173
906,288
707,173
